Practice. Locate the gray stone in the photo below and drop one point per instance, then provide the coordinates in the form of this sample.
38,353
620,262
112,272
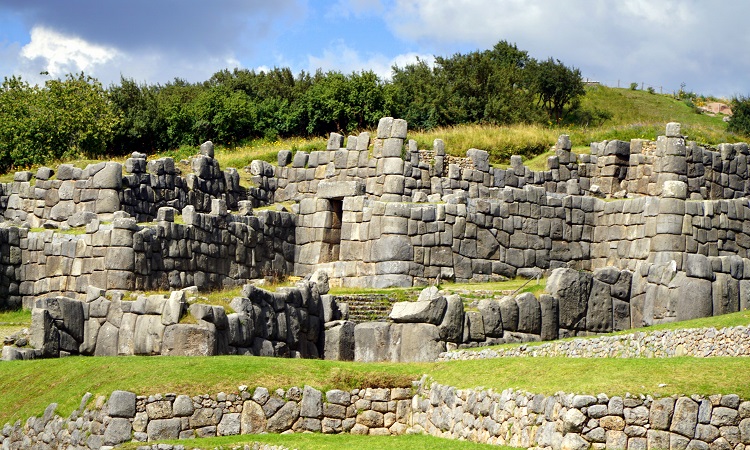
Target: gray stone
110,177
451,328
253,419
118,431
371,341
426,311
284,158
173,308
163,429
339,341
573,421
509,313
420,342
182,406
599,310
529,314
121,404
207,149
284,418
312,403
572,289
340,189
685,417
549,316
190,340
695,298
574,441
107,340
491,317
723,416
229,425
661,413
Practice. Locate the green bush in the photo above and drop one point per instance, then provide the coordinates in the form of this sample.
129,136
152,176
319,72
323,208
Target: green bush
740,120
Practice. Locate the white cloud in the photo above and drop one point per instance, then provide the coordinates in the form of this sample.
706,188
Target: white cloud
345,59
659,42
62,54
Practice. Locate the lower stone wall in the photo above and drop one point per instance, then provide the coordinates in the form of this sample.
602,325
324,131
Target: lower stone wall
285,323
697,342
515,418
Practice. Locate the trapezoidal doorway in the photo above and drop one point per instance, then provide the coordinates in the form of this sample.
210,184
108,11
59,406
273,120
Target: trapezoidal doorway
329,251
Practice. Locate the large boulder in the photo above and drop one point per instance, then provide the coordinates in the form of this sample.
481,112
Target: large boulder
451,328
339,341
491,317
529,314
430,308
572,289
190,340
371,341
420,342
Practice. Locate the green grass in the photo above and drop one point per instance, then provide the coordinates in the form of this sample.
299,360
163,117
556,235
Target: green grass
66,380
741,318
332,442
467,290
13,321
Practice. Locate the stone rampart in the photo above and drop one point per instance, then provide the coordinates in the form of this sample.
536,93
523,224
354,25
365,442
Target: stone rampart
513,418
208,250
286,323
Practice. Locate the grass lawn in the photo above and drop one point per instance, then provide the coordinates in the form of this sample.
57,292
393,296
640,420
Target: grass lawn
333,442
66,380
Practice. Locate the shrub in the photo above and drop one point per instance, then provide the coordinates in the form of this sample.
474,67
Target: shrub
740,121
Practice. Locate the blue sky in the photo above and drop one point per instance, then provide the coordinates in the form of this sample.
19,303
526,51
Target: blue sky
661,43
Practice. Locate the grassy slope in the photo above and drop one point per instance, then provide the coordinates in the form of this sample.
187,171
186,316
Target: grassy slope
335,442
65,380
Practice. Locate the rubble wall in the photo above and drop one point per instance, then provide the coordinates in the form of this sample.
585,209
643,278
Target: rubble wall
511,418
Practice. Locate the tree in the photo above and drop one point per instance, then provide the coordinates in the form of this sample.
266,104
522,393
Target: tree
141,126
413,95
557,87
740,120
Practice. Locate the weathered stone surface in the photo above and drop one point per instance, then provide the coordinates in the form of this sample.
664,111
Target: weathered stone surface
572,289
229,425
425,311
339,341
451,328
189,340
118,431
371,341
121,404
284,418
312,403
420,342
685,417
163,429
253,419
491,317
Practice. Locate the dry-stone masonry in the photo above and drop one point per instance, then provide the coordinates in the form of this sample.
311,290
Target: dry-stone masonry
520,419
669,242
698,342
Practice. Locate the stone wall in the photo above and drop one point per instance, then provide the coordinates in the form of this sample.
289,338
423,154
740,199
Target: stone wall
10,266
286,323
513,418
70,196
697,342
205,250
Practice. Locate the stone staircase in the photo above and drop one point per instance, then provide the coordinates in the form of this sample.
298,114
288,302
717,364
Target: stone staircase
367,307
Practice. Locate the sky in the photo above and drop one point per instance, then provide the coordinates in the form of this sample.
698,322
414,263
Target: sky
701,44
